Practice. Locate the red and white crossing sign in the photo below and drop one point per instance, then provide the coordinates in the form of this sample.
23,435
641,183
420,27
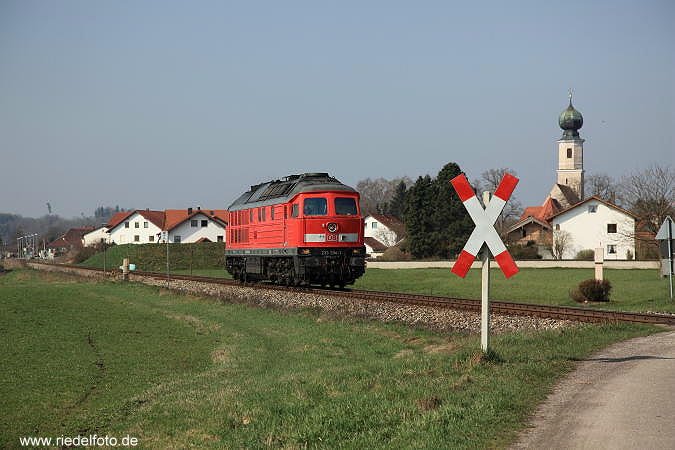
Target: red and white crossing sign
485,231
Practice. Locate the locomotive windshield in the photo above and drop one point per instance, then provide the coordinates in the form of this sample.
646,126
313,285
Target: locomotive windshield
315,207
345,206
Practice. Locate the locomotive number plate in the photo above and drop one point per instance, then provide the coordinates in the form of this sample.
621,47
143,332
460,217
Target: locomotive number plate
332,237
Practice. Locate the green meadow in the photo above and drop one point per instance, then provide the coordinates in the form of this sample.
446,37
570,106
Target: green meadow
84,357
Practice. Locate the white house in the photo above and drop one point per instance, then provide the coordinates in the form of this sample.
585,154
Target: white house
140,226
389,230
188,226
381,232
94,237
593,223
183,226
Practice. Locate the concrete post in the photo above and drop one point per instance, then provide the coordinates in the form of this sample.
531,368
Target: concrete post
599,260
125,269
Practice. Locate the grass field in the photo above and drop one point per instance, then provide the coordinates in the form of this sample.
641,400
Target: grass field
632,290
81,357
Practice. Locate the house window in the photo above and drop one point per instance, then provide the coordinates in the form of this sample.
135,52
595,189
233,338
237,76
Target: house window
151,238
205,223
611,228
176,239
126,224
373,225
592,208
569,152
194,223
611,249
145,224
523,233
295,210
220,239
137,225
137,238
557,227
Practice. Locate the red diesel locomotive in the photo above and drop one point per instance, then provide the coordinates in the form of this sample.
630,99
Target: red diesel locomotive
303,229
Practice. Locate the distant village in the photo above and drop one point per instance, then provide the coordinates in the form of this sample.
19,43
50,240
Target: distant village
566,224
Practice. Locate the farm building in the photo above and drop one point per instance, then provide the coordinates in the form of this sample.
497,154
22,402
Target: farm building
71,240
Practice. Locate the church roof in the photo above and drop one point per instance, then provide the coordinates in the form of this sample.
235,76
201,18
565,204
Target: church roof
543,212
570,121
568,194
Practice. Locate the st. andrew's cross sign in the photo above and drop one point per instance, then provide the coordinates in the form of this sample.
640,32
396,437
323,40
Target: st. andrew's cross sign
485,233
485,220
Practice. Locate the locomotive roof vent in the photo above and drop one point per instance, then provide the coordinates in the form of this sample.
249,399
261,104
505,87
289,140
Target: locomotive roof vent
316,175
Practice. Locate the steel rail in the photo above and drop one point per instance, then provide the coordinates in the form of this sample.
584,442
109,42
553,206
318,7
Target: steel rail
498,307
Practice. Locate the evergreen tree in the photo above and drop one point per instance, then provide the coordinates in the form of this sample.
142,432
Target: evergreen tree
397,204
419,218
452,224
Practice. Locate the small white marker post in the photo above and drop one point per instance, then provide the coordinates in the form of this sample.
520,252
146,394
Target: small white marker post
599,259
485,292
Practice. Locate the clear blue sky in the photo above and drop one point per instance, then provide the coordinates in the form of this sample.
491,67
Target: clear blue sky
175,104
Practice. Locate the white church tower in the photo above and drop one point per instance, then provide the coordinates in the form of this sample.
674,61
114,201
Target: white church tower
569,187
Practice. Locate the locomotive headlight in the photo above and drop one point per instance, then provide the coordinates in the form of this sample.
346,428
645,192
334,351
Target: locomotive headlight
332,227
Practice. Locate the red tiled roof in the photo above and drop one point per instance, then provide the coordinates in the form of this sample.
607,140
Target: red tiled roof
549,208
71,238
373,243
175,217
118,218
391,222
156,217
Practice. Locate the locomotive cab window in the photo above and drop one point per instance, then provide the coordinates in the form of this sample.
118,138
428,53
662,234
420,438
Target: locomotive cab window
345,206
295,210
315,207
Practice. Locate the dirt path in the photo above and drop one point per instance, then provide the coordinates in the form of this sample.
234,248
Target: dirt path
621,398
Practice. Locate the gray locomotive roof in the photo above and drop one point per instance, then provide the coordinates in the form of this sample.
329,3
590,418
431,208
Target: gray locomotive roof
282,191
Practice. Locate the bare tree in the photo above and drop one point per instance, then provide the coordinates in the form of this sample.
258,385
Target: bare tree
601,185
386,237
649,194
489,180
376,194
562,240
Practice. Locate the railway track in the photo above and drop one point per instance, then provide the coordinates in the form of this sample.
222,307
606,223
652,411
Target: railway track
497,307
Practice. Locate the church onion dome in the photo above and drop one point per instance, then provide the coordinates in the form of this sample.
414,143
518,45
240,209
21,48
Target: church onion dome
570,121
